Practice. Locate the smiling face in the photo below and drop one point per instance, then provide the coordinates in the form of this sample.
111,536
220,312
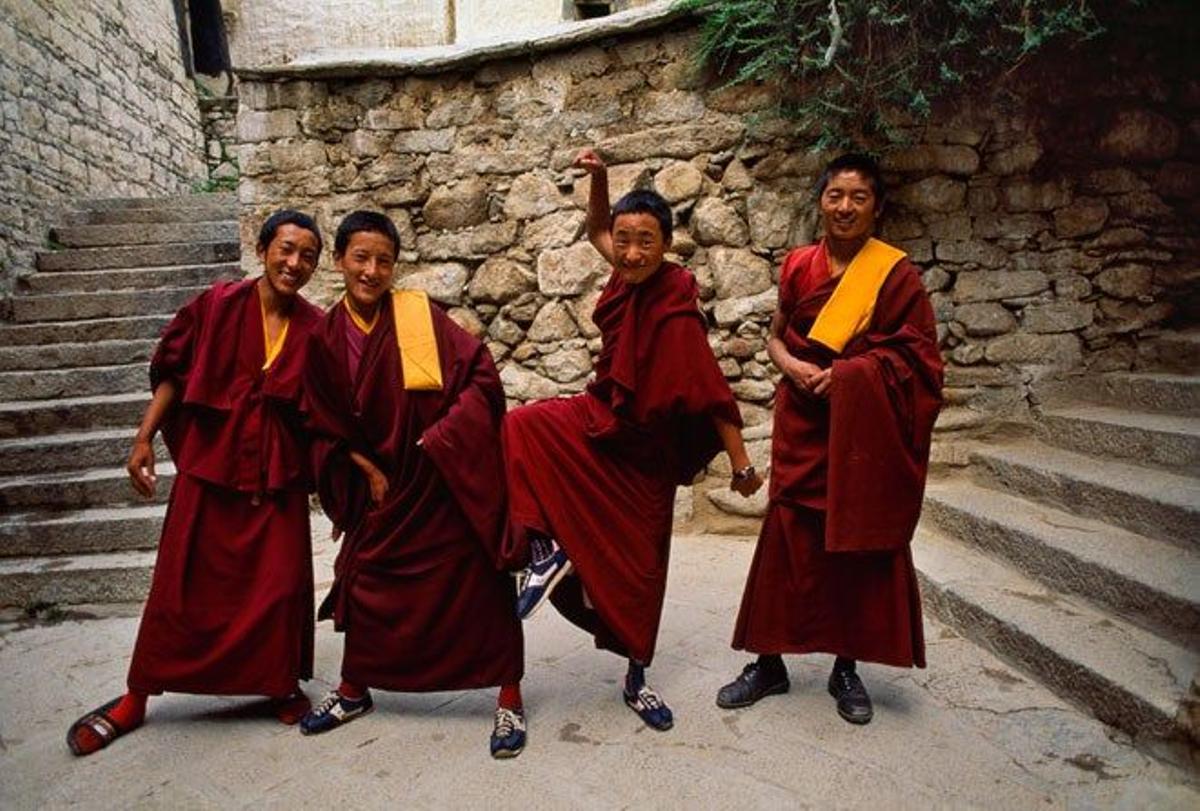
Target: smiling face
290,259
367,266
638,246
849,207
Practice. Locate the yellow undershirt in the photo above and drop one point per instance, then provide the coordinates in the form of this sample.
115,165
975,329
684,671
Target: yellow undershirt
357,319
272,348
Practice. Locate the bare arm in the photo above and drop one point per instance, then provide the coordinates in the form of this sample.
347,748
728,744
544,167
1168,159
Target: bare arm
376,480
599,213
140,466
739,459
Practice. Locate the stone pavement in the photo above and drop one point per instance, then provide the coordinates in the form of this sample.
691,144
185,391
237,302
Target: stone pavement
967,732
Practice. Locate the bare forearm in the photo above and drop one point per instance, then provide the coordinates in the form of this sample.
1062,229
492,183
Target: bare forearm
731,440
160,404
777,351
599,216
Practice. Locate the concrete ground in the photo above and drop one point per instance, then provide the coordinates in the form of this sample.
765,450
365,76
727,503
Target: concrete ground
969,732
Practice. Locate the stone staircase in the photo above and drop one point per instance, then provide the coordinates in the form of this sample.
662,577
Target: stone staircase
1074,551
74,384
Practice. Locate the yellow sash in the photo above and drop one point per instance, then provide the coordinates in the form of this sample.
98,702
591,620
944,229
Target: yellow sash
418,345
849,309
272,349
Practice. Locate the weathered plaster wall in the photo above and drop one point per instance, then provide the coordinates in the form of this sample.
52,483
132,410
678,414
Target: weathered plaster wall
272,32
94,101
483,19
1039,263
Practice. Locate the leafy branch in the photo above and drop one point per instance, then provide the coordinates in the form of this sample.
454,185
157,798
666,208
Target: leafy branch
844,69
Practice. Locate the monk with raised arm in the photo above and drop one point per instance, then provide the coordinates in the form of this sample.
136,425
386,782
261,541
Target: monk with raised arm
592,478
230,610
856,341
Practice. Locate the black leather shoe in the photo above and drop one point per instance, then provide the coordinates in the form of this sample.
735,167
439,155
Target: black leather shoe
853,703
755,682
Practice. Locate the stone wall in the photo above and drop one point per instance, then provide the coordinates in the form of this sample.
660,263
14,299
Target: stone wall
94,101
218,117
1037,265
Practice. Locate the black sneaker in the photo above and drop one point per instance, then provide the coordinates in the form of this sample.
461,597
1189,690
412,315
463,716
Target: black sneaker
853,703
508,733
650,708
333,711
755,681
539,580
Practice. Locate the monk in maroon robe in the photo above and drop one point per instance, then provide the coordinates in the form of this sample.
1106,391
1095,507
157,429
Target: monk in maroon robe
592,478
856,341
405,407
230,610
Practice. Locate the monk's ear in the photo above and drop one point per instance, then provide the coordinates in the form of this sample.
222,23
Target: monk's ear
261,252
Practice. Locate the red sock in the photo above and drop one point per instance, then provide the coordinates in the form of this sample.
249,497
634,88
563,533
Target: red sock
130,711
127,714
291,708
351,691
510,696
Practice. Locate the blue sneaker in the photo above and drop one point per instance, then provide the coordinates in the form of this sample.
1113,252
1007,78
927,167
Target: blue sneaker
650,708
539,579
508,734
333,711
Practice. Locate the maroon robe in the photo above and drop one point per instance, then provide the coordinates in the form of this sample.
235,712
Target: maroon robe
418,588
832,571
230,610
598,471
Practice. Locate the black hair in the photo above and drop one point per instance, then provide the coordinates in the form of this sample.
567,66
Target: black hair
864,165
287,216
644,201
369,221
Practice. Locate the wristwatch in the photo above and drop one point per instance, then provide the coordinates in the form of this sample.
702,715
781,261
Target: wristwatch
745,473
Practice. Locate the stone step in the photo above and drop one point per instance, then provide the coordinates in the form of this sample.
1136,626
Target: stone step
1126,676
95,236
27,418
1178,351
90,281
90,329
106,447
1165,440
65,356
1150,582
106,304
1157,392
171,201
78,489
99,529
117,577
1148,501
140,256
52,383
204,212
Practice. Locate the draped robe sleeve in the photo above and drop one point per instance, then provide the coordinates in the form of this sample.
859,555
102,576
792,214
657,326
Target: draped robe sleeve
884,398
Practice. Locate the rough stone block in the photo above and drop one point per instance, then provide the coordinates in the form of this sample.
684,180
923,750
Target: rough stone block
1085,216
1058,316
937,193
714,222
984,318
997,285
459,206
569,271
678,181
443,282
738,272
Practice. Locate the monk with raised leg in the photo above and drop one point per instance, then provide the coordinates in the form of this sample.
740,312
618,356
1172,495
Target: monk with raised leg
230,610
856,341
592,478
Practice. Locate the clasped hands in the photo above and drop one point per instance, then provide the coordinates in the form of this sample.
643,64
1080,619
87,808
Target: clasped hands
810,378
